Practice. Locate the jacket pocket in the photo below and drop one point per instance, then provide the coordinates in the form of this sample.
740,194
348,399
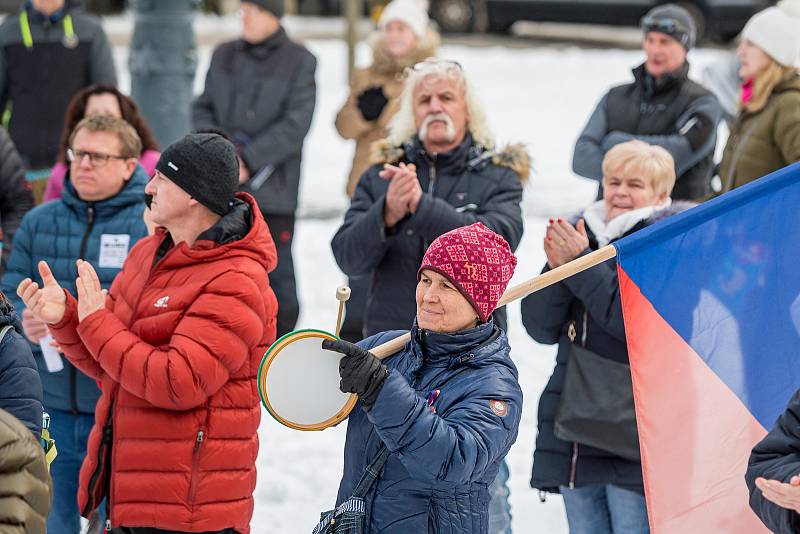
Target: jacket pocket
194,476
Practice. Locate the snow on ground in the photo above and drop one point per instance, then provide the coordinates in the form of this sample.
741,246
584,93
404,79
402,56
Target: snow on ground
539,96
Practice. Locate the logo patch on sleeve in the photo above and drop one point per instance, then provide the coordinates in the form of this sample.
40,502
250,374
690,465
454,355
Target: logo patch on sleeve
500,408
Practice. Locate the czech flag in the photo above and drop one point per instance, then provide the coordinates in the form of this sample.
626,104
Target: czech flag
711,301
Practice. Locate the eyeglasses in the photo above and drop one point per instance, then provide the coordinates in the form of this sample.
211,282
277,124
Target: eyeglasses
434,62
663,25
98,159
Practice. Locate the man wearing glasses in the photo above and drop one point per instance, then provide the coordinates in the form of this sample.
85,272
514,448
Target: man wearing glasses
662,106
98,219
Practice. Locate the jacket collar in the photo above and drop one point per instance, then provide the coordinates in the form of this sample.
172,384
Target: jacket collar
453,162
267,46
653,87
450,349
131,193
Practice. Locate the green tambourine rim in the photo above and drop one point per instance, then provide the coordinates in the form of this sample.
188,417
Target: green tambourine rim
261,393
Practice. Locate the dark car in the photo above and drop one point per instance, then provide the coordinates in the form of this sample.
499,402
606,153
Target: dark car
717,19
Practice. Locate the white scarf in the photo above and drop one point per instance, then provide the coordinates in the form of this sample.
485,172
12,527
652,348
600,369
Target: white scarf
607,231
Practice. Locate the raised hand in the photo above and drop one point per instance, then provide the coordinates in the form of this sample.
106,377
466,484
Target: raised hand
47,303
91,296
563,243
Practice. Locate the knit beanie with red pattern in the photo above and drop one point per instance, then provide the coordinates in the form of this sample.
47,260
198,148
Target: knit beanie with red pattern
477,261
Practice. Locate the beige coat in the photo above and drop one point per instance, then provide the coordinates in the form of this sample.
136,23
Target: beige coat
386,73
763,140
24,479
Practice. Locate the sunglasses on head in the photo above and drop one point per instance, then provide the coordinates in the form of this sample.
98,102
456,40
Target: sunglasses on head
663,25
433,62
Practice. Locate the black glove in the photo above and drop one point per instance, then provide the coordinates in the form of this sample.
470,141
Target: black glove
361,372
371,102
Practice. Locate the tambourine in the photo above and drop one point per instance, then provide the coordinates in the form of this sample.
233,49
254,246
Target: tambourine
299,381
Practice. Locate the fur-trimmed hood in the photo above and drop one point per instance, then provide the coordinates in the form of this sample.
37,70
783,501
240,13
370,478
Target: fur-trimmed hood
427,46
514,156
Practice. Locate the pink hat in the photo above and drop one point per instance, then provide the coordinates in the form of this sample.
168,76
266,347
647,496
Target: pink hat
477,261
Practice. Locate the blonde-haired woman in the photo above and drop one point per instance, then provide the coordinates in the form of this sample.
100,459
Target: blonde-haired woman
602,487
766,134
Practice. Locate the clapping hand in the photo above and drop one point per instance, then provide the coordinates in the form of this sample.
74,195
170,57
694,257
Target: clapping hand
783,494
47,303
404,192
91,296
563,243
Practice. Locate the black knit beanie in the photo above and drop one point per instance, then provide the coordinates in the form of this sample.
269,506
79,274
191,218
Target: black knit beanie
204,165
672,20
273,6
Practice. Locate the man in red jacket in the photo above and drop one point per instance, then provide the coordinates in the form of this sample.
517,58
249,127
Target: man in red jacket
176,345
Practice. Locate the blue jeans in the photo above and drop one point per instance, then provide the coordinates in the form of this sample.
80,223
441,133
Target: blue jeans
71,433
605,509
499,508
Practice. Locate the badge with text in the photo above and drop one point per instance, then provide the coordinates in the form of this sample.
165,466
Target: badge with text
113,250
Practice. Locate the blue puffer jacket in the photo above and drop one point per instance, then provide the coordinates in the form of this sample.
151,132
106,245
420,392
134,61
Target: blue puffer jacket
20,385
446,452
59,232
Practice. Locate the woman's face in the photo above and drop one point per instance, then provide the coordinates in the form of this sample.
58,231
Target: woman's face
626,191
103,104
752,59
398,39
441,307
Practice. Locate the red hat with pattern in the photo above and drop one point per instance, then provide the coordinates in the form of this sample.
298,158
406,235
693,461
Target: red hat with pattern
477,261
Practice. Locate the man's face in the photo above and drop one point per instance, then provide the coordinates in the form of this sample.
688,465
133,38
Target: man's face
440,113
663,54
170,203
257,23
47,7
98,170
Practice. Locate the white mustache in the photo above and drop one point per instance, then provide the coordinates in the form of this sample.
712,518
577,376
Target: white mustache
444,117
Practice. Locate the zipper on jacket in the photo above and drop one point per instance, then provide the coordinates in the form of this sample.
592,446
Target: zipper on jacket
195,460
432,174
105,442
573,468
73,375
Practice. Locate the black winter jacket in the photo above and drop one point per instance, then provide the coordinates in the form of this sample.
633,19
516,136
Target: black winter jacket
546,316
38,82
20,385
463,186
263,97
674,112
15,194
776,457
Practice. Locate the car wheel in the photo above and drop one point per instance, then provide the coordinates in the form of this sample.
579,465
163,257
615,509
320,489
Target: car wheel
699,18
453,16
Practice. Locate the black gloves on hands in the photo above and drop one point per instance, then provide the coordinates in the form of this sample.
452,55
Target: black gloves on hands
361,372
371,102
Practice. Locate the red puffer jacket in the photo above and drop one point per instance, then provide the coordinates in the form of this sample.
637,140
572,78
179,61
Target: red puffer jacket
177,350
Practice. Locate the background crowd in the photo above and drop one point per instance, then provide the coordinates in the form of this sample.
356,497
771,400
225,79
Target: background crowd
425,164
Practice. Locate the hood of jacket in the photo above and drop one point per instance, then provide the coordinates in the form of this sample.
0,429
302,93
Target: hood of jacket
469,155
131,193
8,316
427,46
242,232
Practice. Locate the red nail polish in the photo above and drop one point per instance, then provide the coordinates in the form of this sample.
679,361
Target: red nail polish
559,220
549,238
551,221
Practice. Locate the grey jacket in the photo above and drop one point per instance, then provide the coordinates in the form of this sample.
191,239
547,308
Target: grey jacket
263,97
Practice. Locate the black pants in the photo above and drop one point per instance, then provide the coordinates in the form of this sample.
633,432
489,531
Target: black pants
282,279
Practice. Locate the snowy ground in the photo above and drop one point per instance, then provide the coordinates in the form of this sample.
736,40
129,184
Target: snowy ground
540,96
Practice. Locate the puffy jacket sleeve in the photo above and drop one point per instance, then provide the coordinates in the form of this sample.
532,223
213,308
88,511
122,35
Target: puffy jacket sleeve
362,241
16,198
213,339
787,128
777,457
20,385
545,312
598,290
349,122
20,263
456,446
284,137
500,212
587,158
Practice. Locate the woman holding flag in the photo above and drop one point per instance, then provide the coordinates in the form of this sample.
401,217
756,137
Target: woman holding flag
595,464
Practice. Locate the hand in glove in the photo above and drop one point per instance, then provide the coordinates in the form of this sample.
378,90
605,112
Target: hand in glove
361,372
371,102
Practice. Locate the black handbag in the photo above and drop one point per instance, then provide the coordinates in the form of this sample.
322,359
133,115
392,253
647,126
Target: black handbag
596,406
